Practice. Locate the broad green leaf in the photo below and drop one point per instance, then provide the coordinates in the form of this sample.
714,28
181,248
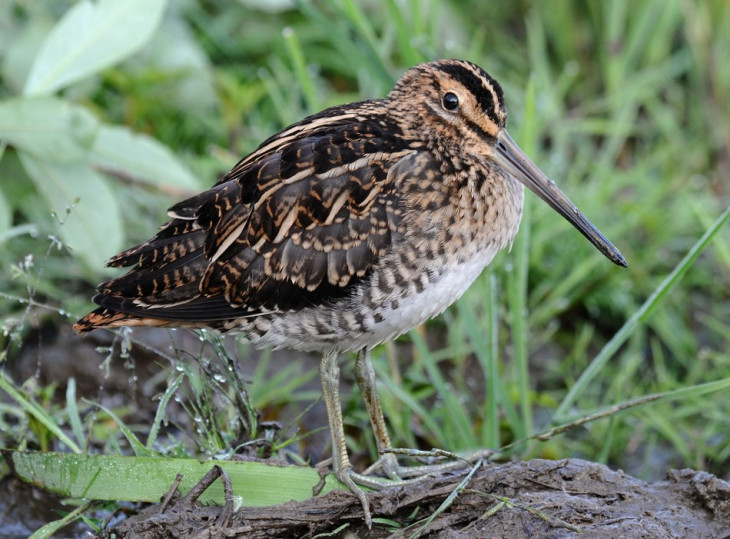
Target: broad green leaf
90,37
48,128
22,48
147,479
83,202
143,158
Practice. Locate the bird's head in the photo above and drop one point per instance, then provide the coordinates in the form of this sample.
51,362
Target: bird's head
463,109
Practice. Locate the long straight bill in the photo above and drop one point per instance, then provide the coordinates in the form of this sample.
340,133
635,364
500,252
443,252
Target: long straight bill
510,157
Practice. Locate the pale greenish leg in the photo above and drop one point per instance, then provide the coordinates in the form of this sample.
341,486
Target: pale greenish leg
365,377
329,373
388,462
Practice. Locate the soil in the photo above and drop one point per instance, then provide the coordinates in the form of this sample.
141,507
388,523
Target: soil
538,498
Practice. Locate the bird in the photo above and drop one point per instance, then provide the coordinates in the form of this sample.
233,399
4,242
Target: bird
343,231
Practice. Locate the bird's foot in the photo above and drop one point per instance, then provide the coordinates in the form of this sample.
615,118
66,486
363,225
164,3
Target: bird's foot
353,481
349,478
388,463
401,475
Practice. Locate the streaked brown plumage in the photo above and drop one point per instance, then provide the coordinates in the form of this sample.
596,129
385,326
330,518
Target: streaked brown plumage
344,230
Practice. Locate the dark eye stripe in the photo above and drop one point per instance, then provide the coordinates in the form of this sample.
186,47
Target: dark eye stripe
484,88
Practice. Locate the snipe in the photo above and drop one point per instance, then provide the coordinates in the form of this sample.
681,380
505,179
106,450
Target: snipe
344,230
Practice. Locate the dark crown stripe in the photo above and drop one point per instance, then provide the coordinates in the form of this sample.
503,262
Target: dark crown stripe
484,88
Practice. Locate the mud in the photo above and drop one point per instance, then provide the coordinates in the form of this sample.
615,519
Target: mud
539,498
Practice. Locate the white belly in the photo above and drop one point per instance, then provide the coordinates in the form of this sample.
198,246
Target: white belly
370,317
413,310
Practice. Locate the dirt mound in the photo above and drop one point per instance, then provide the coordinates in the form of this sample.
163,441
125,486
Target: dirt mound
539,498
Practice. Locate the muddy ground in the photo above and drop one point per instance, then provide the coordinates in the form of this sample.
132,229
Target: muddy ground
538,498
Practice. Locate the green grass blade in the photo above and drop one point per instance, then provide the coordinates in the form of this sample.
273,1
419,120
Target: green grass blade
721,248
641,315
72,411
160,413
491,368
404,32
137,446
447,502
364,27
296,55
147,479
517,279
412,404
485,346
459,427
697,390
37,412
50,529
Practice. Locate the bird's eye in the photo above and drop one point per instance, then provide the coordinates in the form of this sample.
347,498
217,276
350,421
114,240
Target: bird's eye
451,101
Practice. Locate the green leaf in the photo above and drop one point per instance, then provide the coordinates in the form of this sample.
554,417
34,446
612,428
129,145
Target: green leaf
21,49
48,128
84,203
143,158
147,479
91,37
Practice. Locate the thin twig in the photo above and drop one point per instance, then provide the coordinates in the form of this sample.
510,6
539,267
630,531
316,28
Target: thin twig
505,501
171,493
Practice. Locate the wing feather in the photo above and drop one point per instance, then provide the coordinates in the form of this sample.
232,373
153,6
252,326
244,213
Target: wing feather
295,223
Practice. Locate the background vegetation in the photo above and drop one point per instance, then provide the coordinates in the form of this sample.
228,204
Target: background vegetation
623,103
